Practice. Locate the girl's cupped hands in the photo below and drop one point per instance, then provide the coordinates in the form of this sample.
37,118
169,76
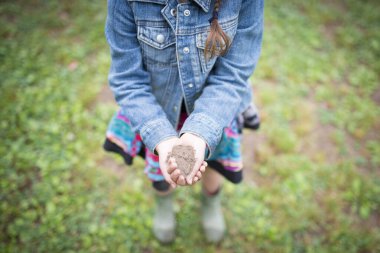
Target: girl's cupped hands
169,167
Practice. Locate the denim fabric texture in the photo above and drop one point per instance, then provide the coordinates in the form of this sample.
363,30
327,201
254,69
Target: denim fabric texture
157,60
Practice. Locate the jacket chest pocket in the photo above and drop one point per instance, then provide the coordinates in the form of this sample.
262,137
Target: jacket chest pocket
157,44
229,28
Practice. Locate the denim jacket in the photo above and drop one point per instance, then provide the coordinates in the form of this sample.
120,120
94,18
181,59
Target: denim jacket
157,61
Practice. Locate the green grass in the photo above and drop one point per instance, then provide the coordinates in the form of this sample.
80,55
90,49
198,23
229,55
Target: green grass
314,187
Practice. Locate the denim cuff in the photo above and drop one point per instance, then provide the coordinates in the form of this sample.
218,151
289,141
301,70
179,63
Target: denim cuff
206,128
153,132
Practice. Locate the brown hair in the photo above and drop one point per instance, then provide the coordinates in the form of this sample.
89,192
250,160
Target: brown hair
217,42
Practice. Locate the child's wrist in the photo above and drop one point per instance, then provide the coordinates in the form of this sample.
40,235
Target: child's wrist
161,145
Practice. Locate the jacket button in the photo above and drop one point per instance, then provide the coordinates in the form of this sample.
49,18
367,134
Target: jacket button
186,13
191,85
160,38
175,108
173,12
186,50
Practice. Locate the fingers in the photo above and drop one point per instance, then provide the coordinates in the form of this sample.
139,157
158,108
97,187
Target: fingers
172,165
181,180
164,170
189,178
178,179
199,175
168,178
196,168
175,175
203,167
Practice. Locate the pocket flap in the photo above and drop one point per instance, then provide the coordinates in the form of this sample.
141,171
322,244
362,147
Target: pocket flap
229,27
157,37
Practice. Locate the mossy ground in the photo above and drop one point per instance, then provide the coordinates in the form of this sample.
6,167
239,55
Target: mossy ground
312,180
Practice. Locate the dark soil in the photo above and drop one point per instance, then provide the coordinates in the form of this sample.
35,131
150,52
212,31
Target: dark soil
185,158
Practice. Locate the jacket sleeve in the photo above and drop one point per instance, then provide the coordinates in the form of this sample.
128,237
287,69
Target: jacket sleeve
227,81
128,79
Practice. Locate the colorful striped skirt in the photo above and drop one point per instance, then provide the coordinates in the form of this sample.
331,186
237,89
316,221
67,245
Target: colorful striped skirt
226,159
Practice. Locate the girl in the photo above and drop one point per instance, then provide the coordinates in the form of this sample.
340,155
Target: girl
179,73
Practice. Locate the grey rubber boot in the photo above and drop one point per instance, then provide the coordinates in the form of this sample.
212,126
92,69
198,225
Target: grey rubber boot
212,217
164,219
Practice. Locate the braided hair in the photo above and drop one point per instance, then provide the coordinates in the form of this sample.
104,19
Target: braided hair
217,42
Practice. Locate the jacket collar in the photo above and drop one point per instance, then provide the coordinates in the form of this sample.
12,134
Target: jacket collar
205,4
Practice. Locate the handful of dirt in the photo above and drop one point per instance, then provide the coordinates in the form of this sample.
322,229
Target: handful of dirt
185,158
